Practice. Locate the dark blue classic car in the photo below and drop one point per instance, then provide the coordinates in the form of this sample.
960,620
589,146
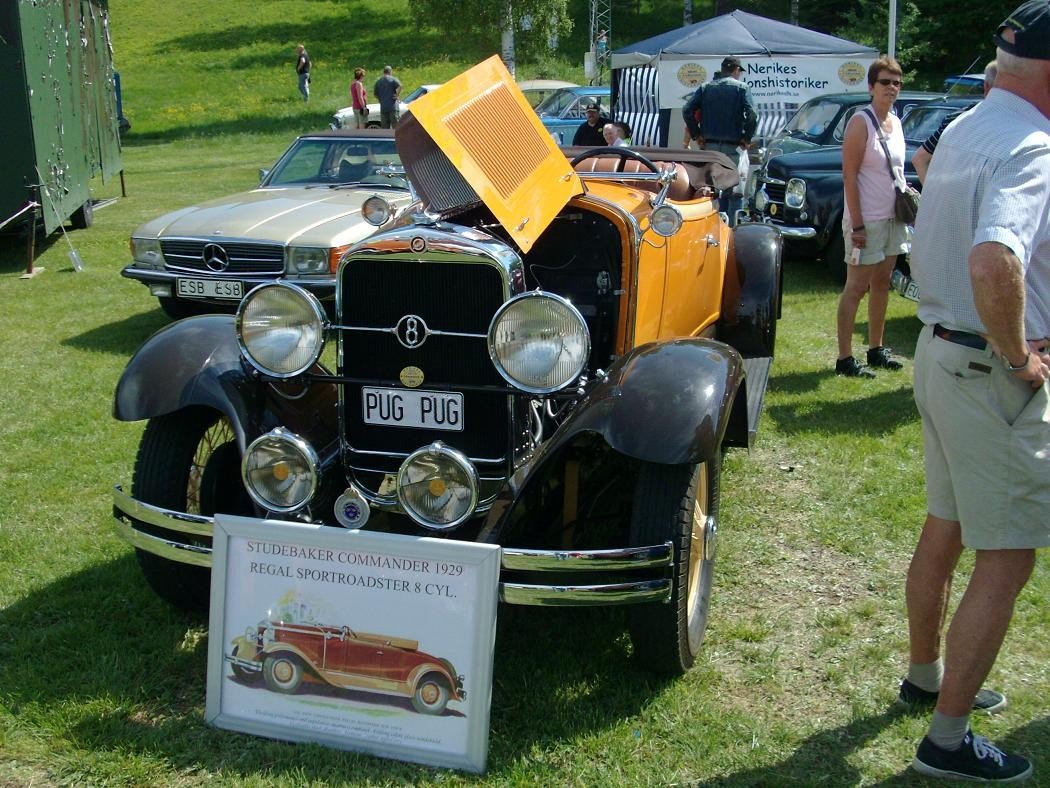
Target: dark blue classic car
802,191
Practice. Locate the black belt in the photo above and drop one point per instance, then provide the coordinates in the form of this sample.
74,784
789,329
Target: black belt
965,338
722,142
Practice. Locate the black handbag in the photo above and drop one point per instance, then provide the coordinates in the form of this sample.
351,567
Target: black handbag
905,200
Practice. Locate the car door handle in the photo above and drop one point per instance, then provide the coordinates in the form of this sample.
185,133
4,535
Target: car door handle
710,240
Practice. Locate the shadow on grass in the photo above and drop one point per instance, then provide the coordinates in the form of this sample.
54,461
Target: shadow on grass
14,256
825,757
122,337
98,656
876,414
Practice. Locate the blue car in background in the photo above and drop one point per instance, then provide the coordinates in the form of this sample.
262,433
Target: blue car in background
563,111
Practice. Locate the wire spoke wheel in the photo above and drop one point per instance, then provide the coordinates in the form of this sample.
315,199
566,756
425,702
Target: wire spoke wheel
679,504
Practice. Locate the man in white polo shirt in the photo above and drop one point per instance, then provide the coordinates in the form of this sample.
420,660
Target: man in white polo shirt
981,256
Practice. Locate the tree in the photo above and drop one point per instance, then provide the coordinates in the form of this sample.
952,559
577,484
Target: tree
520,25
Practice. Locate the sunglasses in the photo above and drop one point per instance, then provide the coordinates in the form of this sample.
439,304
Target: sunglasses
887,82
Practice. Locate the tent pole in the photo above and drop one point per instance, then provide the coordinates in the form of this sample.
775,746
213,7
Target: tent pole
891,48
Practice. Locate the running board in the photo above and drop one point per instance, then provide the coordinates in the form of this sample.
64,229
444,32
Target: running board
756,371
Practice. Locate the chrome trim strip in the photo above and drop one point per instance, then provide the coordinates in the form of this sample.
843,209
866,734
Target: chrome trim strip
165,548
198,524
586,596
431,332
651,557
771,181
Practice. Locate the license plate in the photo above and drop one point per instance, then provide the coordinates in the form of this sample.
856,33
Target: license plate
428,410
210,288
912,291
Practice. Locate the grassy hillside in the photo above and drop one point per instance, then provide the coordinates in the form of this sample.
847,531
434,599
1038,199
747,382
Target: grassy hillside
200,67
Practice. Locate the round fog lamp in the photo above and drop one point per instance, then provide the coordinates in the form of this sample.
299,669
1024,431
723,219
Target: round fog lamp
666,221
377,211
761,199
539,342
437,487
279,470
280,328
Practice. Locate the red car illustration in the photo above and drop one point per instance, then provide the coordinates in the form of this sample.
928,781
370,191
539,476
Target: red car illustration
287,654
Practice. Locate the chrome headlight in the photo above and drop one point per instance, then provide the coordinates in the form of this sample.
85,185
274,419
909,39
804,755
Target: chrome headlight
146,250
666,221
437,487
280,328
307,260
279,470
376,210
539,342
795,193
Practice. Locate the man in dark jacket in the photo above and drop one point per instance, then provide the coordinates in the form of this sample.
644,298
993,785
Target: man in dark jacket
589,133
727,117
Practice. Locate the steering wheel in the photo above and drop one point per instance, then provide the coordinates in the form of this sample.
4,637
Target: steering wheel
622,152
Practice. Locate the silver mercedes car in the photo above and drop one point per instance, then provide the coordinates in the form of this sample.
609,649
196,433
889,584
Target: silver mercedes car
295,226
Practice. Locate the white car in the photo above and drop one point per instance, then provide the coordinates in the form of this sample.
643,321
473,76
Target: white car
344,118
536,90
294,227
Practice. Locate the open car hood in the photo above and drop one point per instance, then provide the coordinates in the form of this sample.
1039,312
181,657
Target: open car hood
476,139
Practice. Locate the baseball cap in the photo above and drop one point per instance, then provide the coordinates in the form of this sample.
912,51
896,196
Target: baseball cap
731,64
595,107
1031,26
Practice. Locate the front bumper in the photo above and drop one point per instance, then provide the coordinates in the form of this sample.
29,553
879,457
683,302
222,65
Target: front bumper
796,233
186,538
322,287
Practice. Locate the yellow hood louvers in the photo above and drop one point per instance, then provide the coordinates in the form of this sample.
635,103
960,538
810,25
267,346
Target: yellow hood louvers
476,138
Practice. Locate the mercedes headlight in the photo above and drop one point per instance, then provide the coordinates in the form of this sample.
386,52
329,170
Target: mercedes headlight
437,487
279,470
146,250
280,328
795,193
307,260
539,342
761,199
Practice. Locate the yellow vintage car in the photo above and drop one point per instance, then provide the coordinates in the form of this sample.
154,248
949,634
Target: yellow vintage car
549,351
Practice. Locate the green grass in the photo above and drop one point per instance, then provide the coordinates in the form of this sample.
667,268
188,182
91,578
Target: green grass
101,684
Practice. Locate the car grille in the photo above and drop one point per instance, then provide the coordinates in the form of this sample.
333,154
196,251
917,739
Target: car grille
775,192
450,297
241,258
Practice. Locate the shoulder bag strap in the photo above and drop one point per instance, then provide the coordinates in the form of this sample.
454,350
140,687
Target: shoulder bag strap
882,140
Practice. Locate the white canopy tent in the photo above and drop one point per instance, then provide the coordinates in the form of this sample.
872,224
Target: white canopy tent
784,65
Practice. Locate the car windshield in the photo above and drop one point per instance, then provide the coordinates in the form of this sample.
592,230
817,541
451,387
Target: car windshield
812,120
921,122
567,104
414,94
556,103
338,161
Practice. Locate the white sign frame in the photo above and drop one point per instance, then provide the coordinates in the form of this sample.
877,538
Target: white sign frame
398,585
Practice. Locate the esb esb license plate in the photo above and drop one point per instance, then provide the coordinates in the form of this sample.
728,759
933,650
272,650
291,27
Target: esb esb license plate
210,288
428,410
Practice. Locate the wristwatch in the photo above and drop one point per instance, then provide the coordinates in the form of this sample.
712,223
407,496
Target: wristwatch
1010,367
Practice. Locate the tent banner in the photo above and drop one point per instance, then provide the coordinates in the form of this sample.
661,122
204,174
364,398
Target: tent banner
783,81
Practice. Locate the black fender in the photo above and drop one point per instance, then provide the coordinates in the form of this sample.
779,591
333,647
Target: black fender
664,402
752,303
196,362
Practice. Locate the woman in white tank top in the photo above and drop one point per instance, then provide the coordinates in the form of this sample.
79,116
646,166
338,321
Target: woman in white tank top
873,237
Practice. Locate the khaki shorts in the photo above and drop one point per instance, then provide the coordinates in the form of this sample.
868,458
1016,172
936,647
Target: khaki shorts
886,238
987,446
